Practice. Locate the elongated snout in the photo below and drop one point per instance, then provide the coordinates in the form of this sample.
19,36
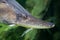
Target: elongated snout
32,22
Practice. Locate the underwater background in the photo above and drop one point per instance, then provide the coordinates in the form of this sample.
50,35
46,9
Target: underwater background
48,10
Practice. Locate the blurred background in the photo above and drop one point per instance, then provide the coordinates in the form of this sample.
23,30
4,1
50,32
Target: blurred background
48,10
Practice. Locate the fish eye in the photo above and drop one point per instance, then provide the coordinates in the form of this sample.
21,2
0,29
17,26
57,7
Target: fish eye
3,1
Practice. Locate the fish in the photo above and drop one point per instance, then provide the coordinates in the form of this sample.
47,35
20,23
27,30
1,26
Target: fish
11,12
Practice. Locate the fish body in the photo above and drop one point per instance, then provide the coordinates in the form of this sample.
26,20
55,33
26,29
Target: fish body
11,12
